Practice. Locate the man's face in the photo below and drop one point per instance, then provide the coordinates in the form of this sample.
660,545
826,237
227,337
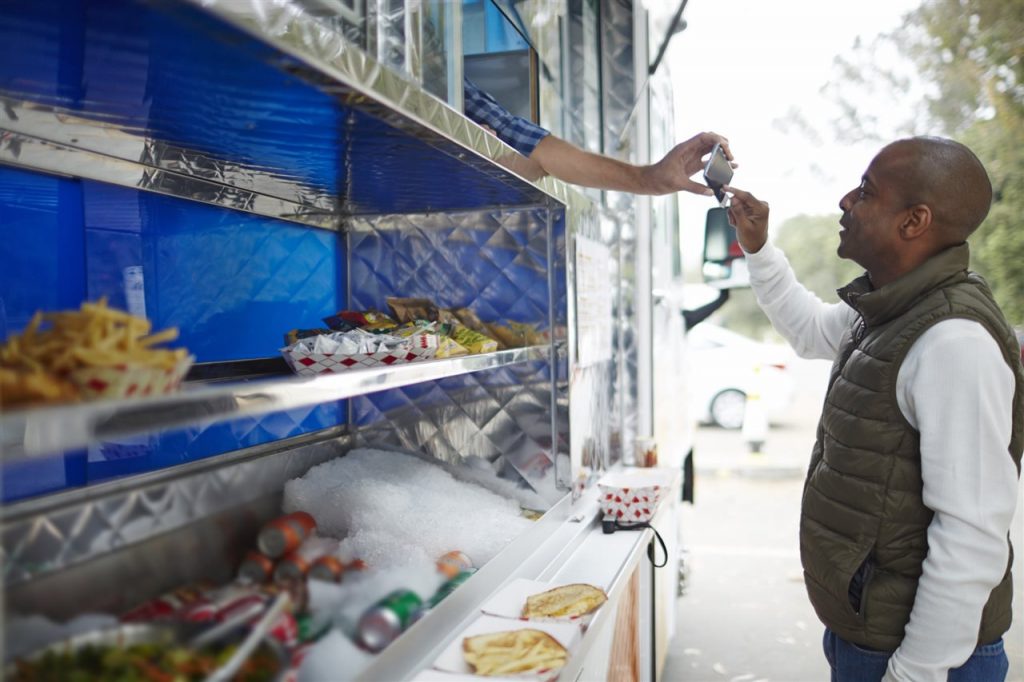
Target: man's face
872,214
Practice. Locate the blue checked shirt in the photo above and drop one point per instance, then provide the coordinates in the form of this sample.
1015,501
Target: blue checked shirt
515,131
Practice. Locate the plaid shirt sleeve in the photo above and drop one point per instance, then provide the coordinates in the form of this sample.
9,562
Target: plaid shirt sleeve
515,131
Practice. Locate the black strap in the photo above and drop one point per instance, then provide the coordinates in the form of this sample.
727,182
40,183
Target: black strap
650,547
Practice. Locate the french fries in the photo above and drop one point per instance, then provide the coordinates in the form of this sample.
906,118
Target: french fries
513,651
48,360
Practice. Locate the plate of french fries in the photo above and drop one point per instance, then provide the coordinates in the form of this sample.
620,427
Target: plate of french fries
96,352
500,648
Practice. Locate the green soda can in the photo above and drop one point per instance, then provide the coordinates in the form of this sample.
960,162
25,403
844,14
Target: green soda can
450,586
383,622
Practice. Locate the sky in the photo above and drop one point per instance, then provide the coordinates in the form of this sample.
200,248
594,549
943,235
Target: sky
741,66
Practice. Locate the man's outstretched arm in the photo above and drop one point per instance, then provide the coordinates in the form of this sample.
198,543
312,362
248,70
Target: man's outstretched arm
569,163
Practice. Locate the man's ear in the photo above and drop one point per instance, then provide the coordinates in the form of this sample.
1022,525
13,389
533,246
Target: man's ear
918,222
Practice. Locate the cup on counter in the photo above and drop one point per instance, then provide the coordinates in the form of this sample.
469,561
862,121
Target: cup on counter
645,452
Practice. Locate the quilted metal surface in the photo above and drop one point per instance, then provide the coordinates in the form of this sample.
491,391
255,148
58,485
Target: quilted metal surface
619,97
495,262
502,417
583,114
60,531
505,265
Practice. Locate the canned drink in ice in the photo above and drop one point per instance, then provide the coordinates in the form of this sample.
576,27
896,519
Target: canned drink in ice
312,627
295,565
225,601
328,568
284,534
168,605
453,563
256,568
383,622
451,586
419,614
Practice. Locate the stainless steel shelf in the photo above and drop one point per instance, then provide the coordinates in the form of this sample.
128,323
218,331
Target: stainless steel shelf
49,430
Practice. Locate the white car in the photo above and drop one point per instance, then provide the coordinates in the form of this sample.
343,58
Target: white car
726,367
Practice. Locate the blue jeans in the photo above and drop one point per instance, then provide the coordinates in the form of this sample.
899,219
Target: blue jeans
852,663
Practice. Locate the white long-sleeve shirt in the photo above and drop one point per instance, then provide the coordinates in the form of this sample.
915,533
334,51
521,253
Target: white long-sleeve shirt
956,389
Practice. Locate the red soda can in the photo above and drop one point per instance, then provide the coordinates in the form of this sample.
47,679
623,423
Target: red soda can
223,602
328,568
256,568
296,564
284,534
285,629
165,606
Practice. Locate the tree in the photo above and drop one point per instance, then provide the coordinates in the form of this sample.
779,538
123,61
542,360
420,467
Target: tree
954,68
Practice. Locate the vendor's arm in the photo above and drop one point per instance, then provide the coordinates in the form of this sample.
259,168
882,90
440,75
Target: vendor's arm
571,164
813,328
547,154
956,389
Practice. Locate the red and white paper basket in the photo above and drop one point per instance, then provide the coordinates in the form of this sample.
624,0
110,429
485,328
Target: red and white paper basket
631,497
130,380
308,363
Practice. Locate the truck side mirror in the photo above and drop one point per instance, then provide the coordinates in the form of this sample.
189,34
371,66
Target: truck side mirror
724,263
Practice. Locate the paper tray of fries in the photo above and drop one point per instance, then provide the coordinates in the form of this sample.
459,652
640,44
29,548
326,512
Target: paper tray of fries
92,353
452,659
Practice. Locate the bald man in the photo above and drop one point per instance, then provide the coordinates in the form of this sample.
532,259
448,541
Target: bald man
913,477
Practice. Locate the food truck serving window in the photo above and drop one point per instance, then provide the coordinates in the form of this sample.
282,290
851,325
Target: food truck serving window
498,58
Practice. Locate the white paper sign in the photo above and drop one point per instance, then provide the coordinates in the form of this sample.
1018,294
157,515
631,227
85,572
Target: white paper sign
593,302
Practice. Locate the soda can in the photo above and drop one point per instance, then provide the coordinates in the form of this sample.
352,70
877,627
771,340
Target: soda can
165,606
419,614
328,568
295,565
312,628
256,568
285,629
450,586
383,622
453,563
284,534
224,602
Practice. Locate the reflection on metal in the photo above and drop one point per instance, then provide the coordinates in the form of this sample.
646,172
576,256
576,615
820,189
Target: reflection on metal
328,60
393,131
49,534
499,419
73,132
34,153
619,222
42,431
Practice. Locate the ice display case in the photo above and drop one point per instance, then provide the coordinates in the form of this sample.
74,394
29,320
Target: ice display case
237,169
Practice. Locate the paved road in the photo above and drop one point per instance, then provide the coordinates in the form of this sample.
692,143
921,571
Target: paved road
745,615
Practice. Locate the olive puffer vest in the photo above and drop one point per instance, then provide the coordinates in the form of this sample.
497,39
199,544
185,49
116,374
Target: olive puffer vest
863,527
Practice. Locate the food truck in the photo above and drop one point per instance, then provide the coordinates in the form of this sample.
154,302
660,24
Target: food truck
263,283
